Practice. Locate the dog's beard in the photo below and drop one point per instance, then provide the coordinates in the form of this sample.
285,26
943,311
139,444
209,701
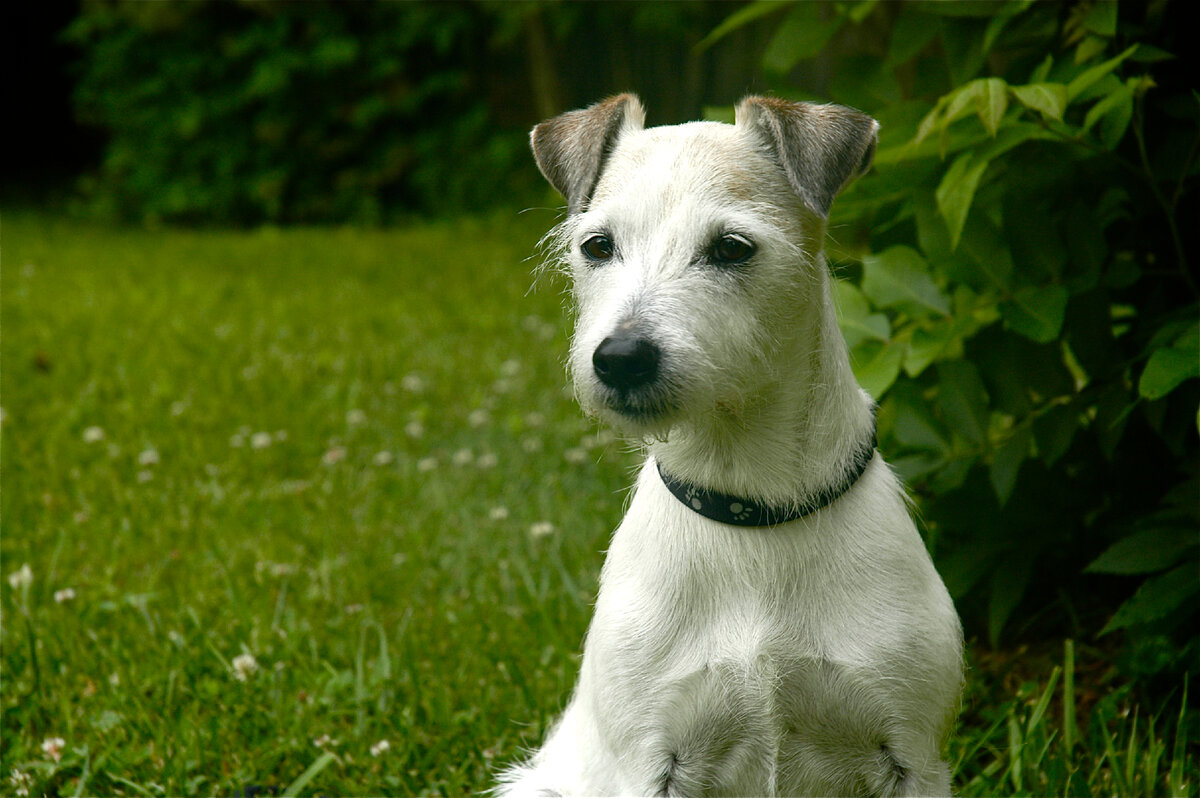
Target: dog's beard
647,412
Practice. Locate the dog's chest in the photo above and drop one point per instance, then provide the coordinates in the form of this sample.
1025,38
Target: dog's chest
723,657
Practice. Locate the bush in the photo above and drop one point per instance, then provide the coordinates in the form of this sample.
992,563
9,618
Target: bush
288,112
1019,299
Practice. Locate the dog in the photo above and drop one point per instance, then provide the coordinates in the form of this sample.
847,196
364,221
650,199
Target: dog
768,621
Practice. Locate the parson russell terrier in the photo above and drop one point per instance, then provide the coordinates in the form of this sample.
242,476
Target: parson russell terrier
768,621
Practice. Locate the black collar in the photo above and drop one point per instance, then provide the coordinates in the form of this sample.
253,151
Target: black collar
739,511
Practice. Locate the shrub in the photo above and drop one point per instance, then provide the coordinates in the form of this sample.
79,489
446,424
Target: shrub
287,112
1018,296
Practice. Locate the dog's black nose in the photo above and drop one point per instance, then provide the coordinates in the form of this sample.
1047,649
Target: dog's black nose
626,362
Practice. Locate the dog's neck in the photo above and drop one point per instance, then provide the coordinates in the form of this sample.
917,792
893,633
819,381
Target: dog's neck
813,395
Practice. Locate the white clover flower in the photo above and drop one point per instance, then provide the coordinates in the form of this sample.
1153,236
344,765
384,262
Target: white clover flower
335,455
478,418
413,383
380,747
21,782
148,457
66,594
531,445
53,747
463,457
510,368
21,578
382,458
575,455
498,513
93,435
325,741
260,440
534,420
414,429
145,476
541,529
243,666
355,417
487,460
427,464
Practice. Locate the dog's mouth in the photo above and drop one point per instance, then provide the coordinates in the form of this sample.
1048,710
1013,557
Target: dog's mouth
644,411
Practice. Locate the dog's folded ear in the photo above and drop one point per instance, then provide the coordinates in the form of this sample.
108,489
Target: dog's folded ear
821,148
571,149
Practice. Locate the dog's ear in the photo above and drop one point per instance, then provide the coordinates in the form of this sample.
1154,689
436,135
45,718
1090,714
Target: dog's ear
821,148
571,149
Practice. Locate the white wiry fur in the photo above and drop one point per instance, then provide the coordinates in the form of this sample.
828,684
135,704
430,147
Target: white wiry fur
816,657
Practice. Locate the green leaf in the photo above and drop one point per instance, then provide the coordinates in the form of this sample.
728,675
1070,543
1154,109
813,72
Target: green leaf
878,373
956,191
963,400
899,277
803,35
988,249
992,103
1101,19
739,19
1089,76
1009,581
1053,432
855,318
1166,369
963,568
963,44
911,32
915,426
1156,598
1048,99
1036,312
963,101
1006,462
927,344
1121,96
1145,552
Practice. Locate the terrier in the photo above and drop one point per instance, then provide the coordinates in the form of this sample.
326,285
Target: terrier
769,621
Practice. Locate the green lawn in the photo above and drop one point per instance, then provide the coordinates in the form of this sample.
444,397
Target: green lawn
285,495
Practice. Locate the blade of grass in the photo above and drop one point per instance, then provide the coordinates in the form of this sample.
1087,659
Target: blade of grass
1068,698
308,775
1131,754
1176,781
1114,761
1039,709
1015,743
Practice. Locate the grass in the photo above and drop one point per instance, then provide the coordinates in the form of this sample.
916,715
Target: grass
285,495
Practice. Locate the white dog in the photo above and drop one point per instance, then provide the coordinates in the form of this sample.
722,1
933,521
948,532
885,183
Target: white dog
768,622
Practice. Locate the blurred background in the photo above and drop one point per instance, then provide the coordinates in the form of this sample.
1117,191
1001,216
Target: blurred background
1017,284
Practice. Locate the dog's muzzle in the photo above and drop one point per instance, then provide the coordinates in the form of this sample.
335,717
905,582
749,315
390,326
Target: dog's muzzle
626,363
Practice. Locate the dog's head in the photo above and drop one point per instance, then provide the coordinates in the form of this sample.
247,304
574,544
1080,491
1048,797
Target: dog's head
693,247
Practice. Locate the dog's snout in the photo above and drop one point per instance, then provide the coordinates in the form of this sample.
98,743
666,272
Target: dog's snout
626,362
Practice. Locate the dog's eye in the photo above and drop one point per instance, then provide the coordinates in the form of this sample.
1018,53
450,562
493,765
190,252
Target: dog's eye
732,249
598,248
